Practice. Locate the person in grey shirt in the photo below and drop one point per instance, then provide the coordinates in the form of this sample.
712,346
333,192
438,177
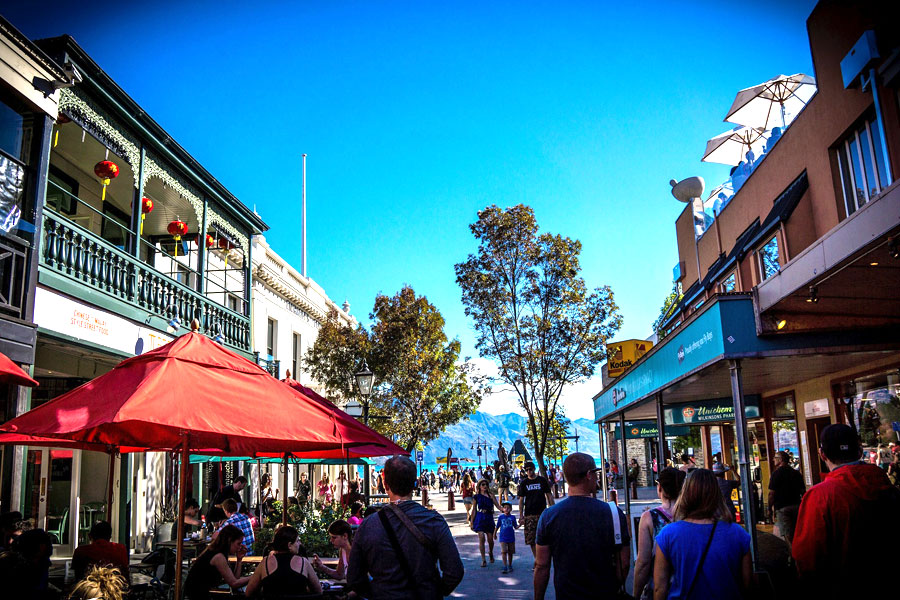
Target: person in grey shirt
373,554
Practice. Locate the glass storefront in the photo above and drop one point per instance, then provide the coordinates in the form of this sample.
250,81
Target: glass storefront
872,403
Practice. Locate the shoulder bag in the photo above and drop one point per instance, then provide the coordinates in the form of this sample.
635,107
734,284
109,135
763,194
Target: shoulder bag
395,543
702,560
617,540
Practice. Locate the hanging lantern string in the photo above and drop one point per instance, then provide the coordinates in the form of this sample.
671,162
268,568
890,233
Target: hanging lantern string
106,170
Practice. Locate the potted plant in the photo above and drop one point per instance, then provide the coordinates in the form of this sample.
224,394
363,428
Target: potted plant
164,529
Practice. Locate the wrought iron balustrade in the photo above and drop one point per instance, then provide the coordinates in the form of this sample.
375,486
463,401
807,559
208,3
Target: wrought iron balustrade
13,268
85,257
272,366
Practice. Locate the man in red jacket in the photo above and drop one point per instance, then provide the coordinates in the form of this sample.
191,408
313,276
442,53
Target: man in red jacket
851,516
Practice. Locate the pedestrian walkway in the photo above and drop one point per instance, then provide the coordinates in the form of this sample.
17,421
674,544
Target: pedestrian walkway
488,582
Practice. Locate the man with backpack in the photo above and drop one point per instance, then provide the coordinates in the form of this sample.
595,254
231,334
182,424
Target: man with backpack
402,546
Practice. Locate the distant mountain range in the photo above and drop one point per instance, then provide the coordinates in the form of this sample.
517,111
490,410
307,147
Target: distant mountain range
506,428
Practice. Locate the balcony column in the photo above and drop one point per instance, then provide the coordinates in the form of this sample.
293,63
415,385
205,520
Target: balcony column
201,251
133,246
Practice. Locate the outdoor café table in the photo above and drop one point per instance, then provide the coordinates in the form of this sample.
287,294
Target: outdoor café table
192,548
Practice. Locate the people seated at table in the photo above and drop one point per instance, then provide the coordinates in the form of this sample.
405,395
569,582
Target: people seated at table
283,572
211,568
241,521
356,513
232,491
352,496
192,513
100,583
341,535
100,552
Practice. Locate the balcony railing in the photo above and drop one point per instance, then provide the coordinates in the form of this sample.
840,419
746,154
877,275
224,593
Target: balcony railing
13,266
84,257
272,366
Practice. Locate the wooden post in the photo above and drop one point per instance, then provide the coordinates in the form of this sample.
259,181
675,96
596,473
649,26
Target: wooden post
179,548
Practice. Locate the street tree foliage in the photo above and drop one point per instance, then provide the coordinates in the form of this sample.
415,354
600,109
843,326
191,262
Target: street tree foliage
665,311
420,388
558,428
534,316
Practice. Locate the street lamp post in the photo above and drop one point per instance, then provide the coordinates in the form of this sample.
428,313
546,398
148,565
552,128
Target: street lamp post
364,380
480,444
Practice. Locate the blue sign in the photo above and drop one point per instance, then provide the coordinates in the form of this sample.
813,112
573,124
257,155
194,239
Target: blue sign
420,456
895,425
479,452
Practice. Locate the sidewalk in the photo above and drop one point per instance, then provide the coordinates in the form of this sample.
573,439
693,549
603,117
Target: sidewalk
488,582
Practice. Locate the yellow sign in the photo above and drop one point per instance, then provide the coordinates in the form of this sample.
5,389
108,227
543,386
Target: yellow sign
621,355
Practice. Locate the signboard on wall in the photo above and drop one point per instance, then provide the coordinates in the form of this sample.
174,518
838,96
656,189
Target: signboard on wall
64,315
707,411
637,430
816,408
620,356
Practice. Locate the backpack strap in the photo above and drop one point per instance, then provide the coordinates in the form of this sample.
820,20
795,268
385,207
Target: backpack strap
702,560
617,526
415,531
398,551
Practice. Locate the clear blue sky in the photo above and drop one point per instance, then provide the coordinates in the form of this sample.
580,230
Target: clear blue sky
416,115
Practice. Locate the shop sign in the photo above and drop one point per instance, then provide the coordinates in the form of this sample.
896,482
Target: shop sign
707,411
62,314
816,408
637,430
620,356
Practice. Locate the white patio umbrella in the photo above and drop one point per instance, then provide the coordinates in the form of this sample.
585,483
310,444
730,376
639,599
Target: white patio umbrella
769,104
731,147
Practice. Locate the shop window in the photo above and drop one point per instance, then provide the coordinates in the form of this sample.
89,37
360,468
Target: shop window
768,259
271,332
295,361
15,133
862,168
873,403
729,284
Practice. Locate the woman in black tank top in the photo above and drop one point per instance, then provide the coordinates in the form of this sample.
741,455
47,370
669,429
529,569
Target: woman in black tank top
283,573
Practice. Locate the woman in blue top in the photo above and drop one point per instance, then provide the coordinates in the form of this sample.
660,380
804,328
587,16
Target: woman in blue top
704,552
481,519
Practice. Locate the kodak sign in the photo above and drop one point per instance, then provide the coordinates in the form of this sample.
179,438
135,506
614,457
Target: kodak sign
620,356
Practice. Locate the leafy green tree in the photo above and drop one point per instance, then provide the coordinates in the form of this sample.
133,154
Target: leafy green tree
422,383
557,445
421,386
534,316
665,312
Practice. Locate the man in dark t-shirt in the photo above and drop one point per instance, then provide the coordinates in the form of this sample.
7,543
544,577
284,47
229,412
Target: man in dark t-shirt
534,496
786,489
578,536
232,491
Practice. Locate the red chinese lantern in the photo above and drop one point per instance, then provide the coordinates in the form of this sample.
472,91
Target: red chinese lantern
106,170
225,246
146,209
210,241
177,229
60,120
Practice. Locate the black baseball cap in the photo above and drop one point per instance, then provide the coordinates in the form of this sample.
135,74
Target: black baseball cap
840,443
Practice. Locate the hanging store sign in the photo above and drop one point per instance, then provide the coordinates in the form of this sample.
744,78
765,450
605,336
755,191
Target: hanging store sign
637,430
816,408
87,323
620,356
708,411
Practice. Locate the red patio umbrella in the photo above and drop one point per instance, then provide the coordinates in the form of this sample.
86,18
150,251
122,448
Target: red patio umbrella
12,373
189,395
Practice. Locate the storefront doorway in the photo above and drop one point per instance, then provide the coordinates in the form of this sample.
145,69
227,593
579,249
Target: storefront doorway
49,494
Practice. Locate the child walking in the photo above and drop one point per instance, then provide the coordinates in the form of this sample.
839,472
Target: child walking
506,533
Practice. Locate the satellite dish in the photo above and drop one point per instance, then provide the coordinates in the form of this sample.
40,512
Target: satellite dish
687,189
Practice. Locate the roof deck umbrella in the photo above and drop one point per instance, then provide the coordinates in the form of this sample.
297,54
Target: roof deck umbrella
769,104
731,147
13,374
191,394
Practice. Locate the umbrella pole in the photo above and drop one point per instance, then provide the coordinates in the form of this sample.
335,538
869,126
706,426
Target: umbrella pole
179,548
111,480
259,506
284,502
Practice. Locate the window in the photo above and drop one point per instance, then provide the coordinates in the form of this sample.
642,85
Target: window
729,284
15,132
183,275
295,362
271,332
768,259
861,166
61,192
234,303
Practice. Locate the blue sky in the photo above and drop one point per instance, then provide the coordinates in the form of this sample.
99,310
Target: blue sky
416,115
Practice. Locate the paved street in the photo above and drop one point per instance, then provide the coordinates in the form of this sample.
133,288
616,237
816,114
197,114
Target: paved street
487,582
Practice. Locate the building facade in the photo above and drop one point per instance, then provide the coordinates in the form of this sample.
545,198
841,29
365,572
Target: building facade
789,318
132,241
